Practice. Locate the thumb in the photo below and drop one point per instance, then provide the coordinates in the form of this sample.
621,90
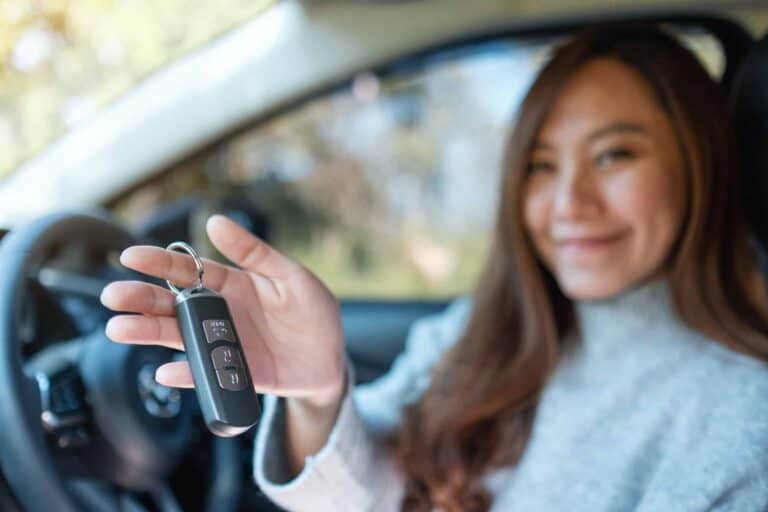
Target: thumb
246,250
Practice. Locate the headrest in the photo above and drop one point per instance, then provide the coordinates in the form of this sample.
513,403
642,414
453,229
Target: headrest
749,104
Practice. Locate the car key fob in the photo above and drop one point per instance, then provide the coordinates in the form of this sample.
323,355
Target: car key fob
229,404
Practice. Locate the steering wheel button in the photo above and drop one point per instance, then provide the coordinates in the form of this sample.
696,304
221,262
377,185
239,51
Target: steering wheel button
232,379
225,356
218,330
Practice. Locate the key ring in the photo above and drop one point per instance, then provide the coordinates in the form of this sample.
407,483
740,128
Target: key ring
198,264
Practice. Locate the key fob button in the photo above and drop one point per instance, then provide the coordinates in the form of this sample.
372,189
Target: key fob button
226,356
232,379
218,330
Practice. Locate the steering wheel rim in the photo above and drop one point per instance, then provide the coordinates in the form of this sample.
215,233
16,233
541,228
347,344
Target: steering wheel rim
26,460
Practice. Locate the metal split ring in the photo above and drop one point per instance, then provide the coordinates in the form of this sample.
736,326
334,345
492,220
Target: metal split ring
198,264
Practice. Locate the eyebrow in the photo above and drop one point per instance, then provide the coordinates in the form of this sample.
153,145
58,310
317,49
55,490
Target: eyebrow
619,126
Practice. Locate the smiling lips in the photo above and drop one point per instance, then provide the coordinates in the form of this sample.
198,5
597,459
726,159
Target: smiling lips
587,245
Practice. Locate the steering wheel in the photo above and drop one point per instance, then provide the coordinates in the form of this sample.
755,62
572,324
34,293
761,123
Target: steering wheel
83,425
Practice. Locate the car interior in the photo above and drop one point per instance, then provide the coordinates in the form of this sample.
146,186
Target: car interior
83,426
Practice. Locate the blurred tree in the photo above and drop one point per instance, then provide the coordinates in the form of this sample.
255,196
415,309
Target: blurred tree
63,60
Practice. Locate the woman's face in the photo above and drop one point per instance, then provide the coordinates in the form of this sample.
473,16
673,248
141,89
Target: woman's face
604,194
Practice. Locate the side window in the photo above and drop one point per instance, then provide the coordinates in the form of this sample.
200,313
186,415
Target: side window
385,188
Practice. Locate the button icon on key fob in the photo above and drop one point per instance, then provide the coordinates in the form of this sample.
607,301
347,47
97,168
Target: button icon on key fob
231,379
225,356
229,368
218,330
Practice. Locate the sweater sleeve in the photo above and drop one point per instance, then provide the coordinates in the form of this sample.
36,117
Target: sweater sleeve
352,471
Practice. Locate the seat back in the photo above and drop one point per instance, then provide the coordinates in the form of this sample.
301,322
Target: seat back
749,105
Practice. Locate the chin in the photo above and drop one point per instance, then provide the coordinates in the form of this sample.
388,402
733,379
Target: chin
596,287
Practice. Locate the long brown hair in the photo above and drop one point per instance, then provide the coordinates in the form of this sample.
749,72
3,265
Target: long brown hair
478,411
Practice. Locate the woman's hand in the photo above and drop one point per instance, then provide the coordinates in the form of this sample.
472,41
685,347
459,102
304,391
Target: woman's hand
288,321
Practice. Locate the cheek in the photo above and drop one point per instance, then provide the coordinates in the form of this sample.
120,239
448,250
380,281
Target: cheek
649,200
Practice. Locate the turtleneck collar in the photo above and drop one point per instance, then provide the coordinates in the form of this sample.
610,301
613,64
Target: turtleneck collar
618,322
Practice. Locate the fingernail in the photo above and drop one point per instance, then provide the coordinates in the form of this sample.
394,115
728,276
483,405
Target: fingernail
108,328
160,375
216,217
123,255
103,294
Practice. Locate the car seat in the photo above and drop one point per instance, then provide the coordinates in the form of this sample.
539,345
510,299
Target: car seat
749,105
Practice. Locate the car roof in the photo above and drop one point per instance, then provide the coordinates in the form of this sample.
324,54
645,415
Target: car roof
291,51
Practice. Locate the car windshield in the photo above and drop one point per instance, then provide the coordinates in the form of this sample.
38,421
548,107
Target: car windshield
61,62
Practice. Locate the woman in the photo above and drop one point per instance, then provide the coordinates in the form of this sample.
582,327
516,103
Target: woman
611,358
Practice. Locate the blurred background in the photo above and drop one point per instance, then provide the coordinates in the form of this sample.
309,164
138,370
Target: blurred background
385,185
63,60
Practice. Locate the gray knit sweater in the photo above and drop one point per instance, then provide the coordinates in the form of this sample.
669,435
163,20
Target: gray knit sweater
641,414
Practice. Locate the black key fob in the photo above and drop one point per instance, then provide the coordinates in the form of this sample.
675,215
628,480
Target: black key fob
229,404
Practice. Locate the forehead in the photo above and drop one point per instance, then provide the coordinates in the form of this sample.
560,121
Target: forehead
603,91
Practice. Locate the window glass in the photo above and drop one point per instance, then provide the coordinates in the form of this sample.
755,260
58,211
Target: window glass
61,62
385,188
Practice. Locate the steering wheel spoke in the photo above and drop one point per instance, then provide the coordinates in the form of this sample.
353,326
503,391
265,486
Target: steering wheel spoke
65,415
64,411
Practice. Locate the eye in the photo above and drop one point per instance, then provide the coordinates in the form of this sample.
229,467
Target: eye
539,166
614,155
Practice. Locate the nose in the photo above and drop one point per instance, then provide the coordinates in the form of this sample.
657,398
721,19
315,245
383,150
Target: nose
577,194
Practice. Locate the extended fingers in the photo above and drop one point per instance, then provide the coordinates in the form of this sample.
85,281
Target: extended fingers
141,329
138,297
174,266
247,250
